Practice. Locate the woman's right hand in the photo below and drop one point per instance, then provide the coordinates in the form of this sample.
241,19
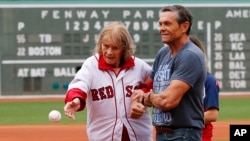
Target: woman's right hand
71,107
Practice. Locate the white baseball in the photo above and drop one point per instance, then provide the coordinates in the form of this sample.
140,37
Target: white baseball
54,116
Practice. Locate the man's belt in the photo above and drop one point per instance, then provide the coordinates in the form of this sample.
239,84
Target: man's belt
170,130
162,129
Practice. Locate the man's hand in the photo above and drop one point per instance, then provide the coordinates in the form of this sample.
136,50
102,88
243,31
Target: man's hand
71,107
137,95
146,99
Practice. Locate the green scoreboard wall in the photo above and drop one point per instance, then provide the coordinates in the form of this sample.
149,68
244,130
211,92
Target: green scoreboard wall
43,46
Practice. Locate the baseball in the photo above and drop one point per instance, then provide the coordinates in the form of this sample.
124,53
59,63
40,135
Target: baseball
54,116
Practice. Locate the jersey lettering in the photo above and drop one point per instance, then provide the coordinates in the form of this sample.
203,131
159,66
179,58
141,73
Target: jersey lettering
102,93
108,92
94,93
129,89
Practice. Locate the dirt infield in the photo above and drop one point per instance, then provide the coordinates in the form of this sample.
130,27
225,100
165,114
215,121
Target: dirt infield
43,133
78,132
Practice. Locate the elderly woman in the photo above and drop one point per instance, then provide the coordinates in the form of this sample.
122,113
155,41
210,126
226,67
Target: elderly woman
104,84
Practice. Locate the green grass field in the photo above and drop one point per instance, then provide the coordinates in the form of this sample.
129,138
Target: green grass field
26,113
234,109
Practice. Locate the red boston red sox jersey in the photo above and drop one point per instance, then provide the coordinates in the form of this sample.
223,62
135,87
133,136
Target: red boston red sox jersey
108,99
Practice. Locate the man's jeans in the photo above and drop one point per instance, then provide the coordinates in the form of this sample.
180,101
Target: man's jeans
181,134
